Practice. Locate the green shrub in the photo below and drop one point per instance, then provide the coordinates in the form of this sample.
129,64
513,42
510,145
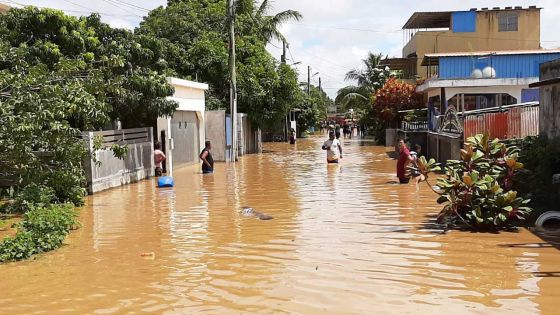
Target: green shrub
43,229
478,189
68,184
541,157
32,195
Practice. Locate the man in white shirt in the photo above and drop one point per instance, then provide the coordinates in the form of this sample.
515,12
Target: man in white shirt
333,148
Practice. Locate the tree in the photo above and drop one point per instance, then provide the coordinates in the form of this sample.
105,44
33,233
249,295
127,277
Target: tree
268,25
369,76
198,28
394,97
313,108
133,67
369,79
61,75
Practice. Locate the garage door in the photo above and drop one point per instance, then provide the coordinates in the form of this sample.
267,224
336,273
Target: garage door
184,130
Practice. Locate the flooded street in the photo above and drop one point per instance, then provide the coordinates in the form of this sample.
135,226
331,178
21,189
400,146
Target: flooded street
344,240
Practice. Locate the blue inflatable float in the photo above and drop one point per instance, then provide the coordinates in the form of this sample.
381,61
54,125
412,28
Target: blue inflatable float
165,181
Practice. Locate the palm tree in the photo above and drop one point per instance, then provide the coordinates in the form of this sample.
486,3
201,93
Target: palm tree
267,25
271,24
369,79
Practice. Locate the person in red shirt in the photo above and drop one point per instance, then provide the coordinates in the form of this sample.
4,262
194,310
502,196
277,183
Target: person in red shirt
404,159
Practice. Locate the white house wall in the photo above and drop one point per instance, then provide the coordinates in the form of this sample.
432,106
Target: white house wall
190,97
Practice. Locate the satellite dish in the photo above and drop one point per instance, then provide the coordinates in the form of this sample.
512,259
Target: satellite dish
488,72
476,74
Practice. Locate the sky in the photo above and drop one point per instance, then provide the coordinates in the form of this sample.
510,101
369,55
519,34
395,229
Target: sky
334,35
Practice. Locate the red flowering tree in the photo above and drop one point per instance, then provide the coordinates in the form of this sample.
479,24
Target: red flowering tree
393,97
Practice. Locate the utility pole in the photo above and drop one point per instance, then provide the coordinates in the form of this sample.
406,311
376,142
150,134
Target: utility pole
320,84
233,80
308,80
283,57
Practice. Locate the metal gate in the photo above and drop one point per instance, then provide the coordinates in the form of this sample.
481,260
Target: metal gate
184,131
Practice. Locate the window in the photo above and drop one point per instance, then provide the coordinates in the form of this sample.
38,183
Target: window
507,22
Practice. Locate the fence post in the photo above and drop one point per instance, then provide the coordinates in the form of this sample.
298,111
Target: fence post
151,138
88,165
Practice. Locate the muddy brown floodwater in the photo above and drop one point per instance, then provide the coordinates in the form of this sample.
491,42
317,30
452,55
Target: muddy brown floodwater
344,240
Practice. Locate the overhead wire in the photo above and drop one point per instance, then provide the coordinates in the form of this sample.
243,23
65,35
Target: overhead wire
343,28
424,33
131,5
120,7
78,5
68,11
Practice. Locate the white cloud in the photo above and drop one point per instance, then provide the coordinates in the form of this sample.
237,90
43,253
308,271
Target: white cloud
358,52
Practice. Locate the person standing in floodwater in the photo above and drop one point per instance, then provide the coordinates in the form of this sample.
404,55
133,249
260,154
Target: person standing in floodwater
159,157
333,148
207,160
292,136
404,159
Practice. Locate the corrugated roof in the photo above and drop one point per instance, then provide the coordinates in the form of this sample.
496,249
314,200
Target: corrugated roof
545,82
398,63
429,20
494,52
433,59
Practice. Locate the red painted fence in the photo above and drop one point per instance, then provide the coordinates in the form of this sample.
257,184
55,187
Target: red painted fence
516,122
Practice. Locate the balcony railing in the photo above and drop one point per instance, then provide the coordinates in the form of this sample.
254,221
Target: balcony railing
509,122
414,125
414,120
506,122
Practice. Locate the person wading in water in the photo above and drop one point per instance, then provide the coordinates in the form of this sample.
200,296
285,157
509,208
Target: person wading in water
159,157
404,159
333,148
207,160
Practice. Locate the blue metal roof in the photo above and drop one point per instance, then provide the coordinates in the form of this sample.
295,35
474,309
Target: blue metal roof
506,66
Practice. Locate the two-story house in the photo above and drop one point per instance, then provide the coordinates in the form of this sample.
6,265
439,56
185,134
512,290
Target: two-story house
483,79
496,29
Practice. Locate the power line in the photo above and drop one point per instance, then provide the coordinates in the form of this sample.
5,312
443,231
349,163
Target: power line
78,5
328,61
427,33
68,11
118,6
342,28
131,5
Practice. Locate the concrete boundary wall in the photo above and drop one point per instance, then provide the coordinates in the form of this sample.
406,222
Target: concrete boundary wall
215,130
249,137
112,172
444,147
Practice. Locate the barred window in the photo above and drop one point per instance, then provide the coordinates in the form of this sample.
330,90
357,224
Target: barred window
507,22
